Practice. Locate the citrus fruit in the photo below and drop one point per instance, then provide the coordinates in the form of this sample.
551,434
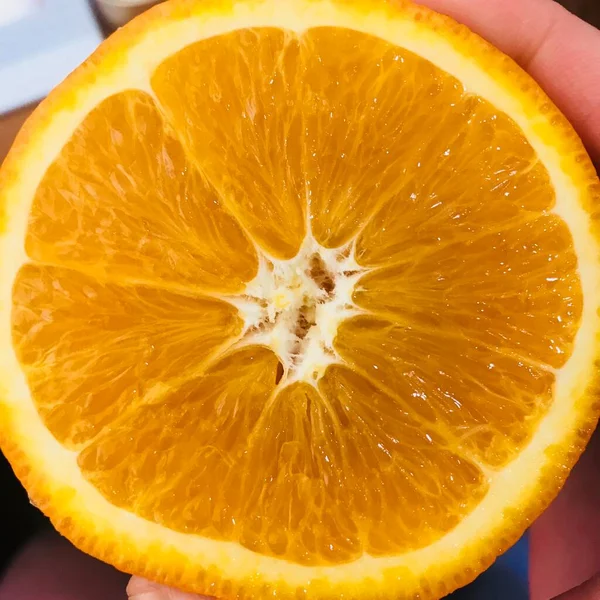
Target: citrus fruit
299,300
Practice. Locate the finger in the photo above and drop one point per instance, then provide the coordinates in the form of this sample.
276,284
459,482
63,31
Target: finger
565,540
590,590
142,589
559,50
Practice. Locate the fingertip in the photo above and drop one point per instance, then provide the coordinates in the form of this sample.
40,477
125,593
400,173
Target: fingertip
142,589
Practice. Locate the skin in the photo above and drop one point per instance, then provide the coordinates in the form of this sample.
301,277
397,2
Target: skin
563,54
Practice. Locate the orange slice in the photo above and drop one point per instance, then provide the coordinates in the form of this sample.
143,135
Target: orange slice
299,300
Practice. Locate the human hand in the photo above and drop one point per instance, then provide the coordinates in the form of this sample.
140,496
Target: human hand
563,54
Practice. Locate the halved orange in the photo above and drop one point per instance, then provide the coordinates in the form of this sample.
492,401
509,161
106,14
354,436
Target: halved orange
299,300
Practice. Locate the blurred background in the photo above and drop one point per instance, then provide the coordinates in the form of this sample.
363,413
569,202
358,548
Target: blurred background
41,41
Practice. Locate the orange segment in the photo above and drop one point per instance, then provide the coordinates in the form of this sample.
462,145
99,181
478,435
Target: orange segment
92,351
137,461
123,201
288,510
360,88
398,473
472,290
487,401
234,100
477,175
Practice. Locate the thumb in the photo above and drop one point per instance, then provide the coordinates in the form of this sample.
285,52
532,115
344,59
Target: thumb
589,590
142,589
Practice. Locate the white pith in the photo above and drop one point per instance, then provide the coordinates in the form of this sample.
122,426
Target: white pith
284,291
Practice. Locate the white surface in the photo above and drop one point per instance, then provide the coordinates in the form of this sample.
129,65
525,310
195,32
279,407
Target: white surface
13,10
41,42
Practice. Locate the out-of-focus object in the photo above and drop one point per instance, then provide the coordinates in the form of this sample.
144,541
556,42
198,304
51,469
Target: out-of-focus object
13,10
41,42
117,12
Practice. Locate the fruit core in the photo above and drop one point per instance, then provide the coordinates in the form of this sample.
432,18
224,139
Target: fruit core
295,307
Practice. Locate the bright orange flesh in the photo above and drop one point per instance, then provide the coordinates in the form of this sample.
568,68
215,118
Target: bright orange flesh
470,301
